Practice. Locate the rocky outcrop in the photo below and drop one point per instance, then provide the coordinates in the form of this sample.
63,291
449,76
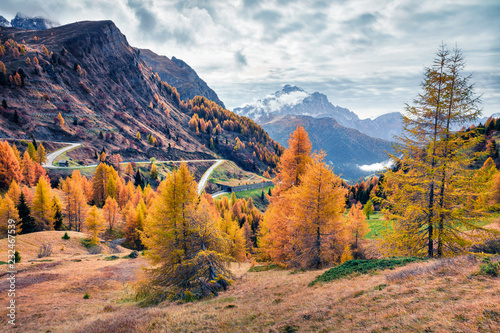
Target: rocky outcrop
180,75
4,22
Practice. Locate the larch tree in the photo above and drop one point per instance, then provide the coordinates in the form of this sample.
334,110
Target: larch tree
317,224
43,211
433,198
111,212
28,169
14,192
234,234
154,171
75,199
135,217
357,226
59,120
368,209
41,154
274,235
16,153
186,249
129,170
104,184
9,166
95,224
31,151
8,211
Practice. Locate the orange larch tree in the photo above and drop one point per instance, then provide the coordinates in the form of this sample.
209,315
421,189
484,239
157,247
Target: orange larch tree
317,223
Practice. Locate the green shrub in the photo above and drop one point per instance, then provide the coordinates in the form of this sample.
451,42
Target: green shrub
17,257
65,236
87,242
489,268
86,296
363,266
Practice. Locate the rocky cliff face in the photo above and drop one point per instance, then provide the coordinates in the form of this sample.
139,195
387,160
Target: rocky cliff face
4,22
293,100
180,75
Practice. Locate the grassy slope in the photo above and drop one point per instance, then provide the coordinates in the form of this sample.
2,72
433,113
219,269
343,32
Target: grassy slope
450,299
229,173
256,196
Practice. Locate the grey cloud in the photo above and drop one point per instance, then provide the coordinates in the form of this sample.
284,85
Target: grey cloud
251,3
241,59
147,20
268,17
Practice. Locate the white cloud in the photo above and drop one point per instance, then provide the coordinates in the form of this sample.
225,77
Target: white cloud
275,103
376,166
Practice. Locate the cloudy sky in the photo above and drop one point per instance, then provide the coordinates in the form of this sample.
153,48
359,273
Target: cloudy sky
365,55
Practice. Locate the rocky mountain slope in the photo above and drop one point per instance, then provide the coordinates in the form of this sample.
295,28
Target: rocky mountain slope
29,23
178,74
109,98
292,100
346,148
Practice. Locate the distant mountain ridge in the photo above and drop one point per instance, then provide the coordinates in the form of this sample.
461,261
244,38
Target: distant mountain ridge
346,149
292,100
22,21
180,75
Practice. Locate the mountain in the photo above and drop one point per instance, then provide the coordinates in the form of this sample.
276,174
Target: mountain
4,22
292,100
178,74
29,23
346,149
107,96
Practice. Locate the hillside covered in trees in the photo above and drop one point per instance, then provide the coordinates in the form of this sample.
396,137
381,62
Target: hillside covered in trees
83,82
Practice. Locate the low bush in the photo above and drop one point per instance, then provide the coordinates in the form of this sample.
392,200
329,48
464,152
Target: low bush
489,268
65,236
45,250
87,242
17,257
362,266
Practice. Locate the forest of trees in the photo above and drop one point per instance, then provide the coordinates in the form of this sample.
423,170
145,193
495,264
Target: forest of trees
210,120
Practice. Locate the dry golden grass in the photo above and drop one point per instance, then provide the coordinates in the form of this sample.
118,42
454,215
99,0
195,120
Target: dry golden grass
423,297
29,245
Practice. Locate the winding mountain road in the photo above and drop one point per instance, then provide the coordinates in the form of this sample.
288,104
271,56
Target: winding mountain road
52,157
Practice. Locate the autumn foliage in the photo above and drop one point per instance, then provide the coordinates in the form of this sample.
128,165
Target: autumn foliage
303,226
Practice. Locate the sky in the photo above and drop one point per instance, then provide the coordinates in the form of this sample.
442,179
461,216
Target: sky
367,56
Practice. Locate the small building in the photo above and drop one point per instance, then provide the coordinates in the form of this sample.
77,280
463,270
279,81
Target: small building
63,163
